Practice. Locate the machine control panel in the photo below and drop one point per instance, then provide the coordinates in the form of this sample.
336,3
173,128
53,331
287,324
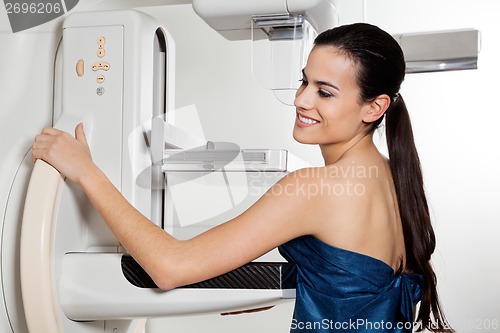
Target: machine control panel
99,61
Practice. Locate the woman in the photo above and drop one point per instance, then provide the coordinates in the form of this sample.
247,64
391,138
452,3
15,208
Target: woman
357,228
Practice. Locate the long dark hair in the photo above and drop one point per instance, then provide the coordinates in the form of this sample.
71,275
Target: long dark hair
380,69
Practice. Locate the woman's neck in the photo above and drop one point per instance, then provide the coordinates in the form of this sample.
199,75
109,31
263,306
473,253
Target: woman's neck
332,153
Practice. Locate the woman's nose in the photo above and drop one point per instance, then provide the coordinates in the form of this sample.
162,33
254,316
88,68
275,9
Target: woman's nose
303,98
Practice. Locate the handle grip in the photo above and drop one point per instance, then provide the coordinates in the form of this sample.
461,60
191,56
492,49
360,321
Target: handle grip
37,261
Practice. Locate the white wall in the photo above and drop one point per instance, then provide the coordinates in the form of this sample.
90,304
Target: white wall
454,114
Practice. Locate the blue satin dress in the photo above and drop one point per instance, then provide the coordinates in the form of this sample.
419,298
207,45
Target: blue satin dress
343,291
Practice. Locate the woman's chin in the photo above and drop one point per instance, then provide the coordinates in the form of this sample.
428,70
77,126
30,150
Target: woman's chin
302,139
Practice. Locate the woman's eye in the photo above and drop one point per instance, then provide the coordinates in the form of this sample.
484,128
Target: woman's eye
303,82
324,93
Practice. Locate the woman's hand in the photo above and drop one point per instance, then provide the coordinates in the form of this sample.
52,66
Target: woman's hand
70,156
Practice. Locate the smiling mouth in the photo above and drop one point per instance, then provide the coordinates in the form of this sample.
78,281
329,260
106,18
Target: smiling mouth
306,120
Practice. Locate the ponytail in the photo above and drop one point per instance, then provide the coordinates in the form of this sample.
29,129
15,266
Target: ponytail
418,233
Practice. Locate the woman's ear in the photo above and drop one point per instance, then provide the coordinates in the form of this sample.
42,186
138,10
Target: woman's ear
376,108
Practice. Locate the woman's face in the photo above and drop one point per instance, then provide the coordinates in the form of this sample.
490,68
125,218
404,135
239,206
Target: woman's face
327,102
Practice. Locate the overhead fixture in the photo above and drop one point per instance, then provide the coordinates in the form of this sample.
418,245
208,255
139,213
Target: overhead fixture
440,51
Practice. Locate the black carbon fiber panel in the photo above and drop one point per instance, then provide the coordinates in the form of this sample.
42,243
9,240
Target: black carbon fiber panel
254,275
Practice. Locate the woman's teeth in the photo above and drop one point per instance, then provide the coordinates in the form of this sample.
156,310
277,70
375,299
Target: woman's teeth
307,120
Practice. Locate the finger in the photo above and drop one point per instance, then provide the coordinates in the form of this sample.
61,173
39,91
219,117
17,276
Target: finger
80,134
41,145
33,157
44,138
37,151
41,142
51,131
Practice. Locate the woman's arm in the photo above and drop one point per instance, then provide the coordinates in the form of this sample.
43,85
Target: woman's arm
283,213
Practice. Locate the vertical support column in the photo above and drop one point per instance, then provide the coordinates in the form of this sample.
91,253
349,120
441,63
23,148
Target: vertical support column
159,85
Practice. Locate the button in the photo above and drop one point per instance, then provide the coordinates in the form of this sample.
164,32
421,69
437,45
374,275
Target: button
100,91
100,42
101,53
100,65
80,67
100,79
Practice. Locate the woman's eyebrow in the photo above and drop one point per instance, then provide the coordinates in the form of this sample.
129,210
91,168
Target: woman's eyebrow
328,84
322,83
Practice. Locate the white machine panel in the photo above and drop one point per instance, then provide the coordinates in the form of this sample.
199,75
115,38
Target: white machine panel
93,92
98,57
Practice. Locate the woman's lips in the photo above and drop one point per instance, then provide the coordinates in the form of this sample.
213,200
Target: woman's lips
305,121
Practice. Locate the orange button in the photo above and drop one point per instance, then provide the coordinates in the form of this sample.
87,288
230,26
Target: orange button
80,67
100,65
100,42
